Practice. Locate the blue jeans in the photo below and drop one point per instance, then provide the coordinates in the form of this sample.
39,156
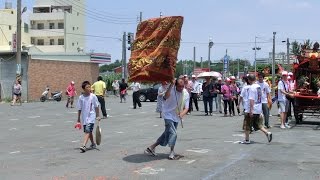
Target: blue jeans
169,136
88,128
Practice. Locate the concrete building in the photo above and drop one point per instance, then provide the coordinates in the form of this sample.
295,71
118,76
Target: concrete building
281,58
55,70
58,26
8,28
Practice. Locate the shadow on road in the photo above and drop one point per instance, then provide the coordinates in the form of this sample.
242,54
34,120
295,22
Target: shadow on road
142,158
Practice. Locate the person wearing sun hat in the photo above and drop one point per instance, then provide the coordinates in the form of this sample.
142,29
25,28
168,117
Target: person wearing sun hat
235,92
71,92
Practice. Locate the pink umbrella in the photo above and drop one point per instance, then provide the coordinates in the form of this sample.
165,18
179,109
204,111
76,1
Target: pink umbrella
210,74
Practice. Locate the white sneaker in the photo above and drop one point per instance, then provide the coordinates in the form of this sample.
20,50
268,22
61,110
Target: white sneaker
172,154
282,127
287,125
245,142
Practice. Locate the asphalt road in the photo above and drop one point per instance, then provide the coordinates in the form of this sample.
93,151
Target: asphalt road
38,141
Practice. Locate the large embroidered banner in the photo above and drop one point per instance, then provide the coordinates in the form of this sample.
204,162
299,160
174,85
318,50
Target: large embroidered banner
155,49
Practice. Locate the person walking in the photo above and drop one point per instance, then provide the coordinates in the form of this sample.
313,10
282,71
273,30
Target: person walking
265,94
161,92
175,106
123,86
235,92
188,87
283,91
217,87
253,111
135,96
99,89
70,92
195,92
291,84
227,97
208,90
115,86
88,112
17,89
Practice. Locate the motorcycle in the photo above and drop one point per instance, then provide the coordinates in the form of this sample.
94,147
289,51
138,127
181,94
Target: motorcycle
55,96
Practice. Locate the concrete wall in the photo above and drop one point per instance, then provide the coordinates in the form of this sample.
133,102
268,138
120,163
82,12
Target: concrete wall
57,75
75,24
8,75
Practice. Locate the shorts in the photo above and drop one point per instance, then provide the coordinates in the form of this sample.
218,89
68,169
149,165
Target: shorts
88,128
70,98
256,122
284,106
17,94
169,136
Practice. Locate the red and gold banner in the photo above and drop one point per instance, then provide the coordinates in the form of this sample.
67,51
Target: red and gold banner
155,49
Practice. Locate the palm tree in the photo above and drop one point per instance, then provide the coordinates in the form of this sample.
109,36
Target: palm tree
308,44
296,48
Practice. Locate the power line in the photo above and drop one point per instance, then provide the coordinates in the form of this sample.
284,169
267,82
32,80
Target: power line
95,17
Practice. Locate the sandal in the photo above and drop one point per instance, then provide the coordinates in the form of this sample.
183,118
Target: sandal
150,152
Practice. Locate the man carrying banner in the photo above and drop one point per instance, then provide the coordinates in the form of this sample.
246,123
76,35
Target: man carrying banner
175,106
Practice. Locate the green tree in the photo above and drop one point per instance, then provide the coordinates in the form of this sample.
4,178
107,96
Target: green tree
295,48
110,67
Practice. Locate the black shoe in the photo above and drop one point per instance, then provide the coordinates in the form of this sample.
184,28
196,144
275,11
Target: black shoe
206,114
210,114
83,149
220,112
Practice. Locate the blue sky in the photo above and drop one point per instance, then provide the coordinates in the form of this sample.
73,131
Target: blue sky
232,24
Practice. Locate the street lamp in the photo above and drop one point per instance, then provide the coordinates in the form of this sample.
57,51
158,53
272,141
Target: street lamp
209,46
288,55
255,54
18,55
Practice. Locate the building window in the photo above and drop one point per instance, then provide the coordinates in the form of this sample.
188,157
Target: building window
60,25
40,26
77,13
73,28
60,41
72,44
26,27
51,41
9,27
9,43
40,42
32,40
51,25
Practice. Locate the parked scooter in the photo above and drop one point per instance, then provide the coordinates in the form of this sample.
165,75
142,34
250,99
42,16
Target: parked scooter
55,96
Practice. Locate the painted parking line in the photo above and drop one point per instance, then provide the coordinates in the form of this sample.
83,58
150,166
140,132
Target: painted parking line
12,129
155,125
127,114
198,150
43,125
69,121
14,119
238,135
73,112
75,141
33,117
188,161
149,171
14,152
234,142
142,112
119,132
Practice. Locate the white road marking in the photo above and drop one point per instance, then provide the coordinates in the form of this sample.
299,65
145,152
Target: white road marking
14,119
11,129
43,125
234,142
155,125
198,150
191,161
119,132
70,121
238,135
237,142
108,109
73,112
149,171
143,112
75,141
110,116
33,117
14,152
127,114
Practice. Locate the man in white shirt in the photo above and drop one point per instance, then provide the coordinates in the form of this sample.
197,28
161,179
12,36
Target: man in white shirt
195,92
135,96
253,111
174,107
283,90
115,85
265,94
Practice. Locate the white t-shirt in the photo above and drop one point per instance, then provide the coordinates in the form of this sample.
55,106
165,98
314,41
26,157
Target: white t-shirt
245,98
177,101
282,86
196,88
265,90
87,105
135,87
255,94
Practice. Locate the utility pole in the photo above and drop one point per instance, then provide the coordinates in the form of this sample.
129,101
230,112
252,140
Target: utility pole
288,55
201,63
124,56
18,54
273,63
140,18
209,53
194,59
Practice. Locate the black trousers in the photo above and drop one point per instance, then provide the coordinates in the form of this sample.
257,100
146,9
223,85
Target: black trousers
136,100
206,101
102,105
227,103
194,98
291,102
235,103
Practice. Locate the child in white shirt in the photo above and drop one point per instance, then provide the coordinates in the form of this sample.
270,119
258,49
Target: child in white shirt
88,110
